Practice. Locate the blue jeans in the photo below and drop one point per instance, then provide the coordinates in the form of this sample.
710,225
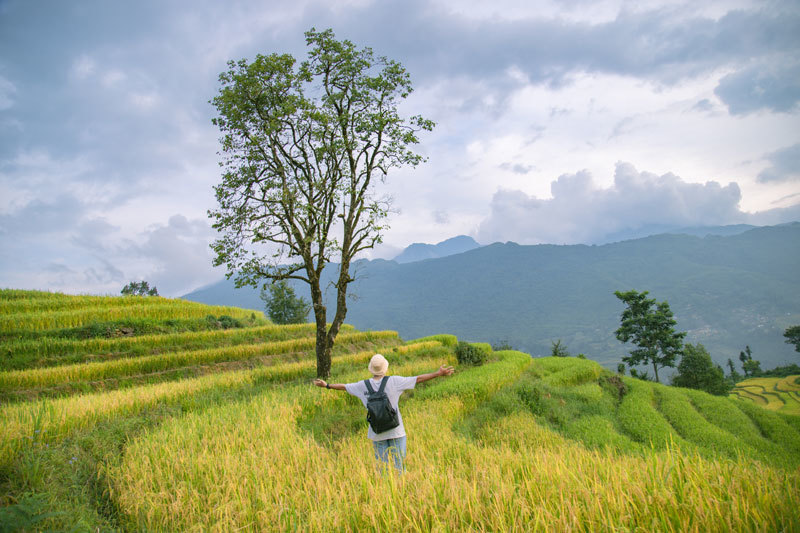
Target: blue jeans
391,448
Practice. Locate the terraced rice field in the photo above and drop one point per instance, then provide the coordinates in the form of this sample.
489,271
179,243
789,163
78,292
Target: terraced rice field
191,422
775,394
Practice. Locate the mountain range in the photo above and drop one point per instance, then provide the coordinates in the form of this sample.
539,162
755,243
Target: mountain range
728,288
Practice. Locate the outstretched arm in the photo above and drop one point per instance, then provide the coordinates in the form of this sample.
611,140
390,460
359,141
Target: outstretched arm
323,383
444,370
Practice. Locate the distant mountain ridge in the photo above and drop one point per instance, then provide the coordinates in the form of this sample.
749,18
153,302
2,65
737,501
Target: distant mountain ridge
726,292
421,251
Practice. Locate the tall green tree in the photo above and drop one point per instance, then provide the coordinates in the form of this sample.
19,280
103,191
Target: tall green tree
734,376
283,305
792,335
650,326
751,367
304,147
697,371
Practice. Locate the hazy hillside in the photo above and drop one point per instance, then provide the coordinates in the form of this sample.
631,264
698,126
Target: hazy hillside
421,251
726,291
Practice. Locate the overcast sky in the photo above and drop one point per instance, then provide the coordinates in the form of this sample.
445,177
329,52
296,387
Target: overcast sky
557,122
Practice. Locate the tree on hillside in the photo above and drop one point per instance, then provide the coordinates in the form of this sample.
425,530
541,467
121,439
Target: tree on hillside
558,349
650,326
734,376
304,146
750,366
792,335
139,288
283,306
697,371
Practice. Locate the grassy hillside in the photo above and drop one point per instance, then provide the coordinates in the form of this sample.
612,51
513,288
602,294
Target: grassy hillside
775,394
177,424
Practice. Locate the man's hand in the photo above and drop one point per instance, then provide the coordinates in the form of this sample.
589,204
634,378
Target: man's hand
320,383
445,370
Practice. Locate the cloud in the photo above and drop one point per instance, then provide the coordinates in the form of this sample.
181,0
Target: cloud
41,217
180,255
7,90
784,165
666,44
517,168
83,67
441,217
769,87
579,212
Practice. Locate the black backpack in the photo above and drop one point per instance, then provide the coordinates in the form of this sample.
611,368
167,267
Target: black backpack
380,413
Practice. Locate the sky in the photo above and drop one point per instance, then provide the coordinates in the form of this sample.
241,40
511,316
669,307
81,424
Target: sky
556,122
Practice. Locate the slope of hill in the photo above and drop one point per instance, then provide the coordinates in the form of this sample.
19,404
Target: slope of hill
726,291
421,251
227,433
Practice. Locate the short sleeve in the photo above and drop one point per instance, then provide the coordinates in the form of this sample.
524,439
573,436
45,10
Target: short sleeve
353,388
405,383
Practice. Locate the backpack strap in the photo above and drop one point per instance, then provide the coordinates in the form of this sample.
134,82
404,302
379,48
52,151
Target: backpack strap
383,383
369,387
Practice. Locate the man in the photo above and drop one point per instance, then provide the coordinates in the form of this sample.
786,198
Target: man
393,441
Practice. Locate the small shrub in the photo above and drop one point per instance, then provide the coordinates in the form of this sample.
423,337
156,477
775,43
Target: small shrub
501,346
531,396
470,354
558,349
229,322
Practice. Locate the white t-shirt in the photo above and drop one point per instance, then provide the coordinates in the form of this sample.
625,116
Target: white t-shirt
395,386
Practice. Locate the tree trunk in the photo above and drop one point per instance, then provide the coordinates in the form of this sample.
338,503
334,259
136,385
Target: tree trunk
655,371
323,348
338,318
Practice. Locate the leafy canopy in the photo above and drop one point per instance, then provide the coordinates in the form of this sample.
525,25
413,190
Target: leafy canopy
304,146
283,306
792,335
697,371
650,326
139,288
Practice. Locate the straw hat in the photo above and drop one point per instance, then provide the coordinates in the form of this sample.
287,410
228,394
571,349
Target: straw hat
378,365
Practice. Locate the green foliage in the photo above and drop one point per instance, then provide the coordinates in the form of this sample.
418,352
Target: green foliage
312,140
558,349
223,322
751,367
697,371
26,515
502,345
471,353
283,306
650,326
139,288
734,377
792,335
781,371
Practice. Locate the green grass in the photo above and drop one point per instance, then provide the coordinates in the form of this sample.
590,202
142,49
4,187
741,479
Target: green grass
514,444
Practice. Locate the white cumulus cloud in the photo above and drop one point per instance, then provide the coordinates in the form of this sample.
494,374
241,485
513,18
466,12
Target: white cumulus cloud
581,212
